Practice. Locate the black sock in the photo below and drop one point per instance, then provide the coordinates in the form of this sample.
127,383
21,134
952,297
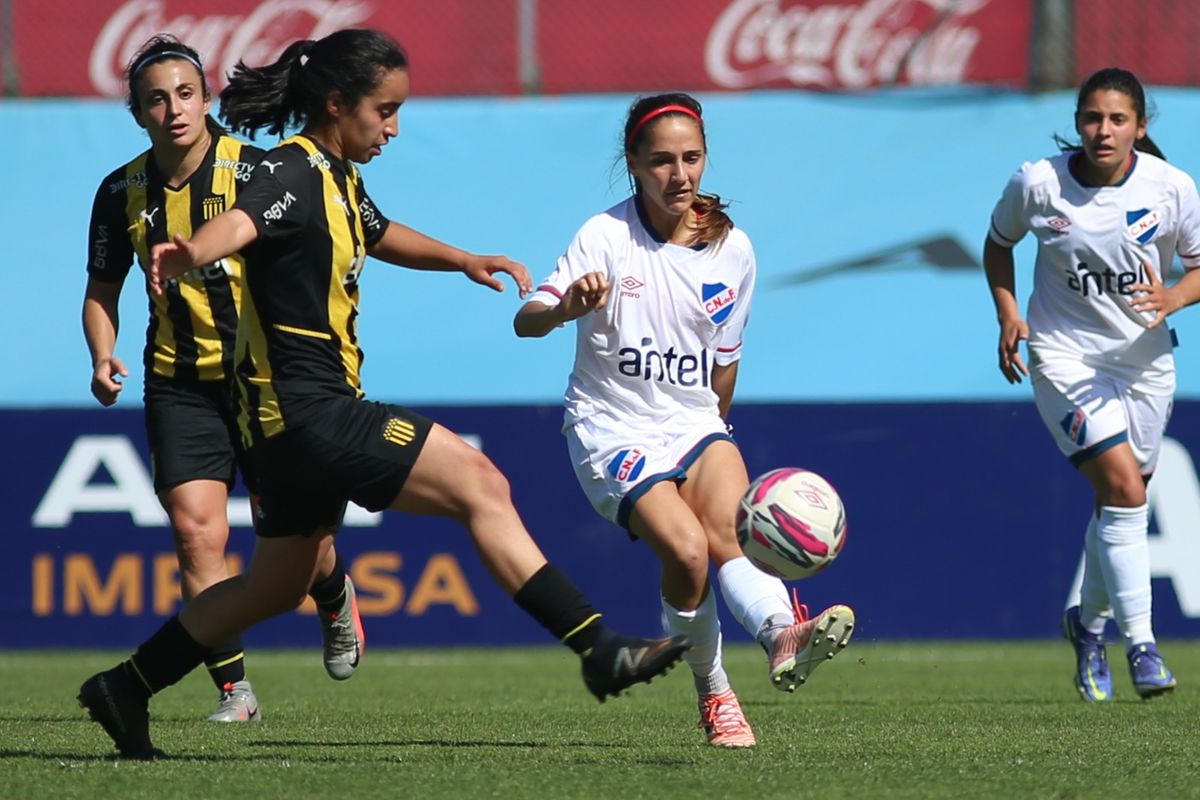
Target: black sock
555,601
166,657
226,663
328,593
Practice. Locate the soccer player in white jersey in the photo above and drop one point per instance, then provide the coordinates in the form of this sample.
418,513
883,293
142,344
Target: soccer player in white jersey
1109,216
660,287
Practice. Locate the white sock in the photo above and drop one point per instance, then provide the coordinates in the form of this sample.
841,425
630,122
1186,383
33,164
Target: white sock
703,627
1124,556
757,600
1094,605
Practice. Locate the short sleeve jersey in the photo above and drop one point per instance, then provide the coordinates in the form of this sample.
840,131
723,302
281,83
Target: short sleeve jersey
673,313
1092,242
298,335
193,324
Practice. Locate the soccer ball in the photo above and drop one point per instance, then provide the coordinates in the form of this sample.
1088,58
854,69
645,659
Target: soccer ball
791,523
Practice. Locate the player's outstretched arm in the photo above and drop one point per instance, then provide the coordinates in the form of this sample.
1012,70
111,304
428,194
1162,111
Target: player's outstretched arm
587,294
405,247
221,236
998,265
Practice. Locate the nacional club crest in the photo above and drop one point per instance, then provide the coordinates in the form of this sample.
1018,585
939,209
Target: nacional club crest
718,300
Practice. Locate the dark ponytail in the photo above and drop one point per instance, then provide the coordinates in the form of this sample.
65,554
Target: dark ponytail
712,223
292,91
1117,80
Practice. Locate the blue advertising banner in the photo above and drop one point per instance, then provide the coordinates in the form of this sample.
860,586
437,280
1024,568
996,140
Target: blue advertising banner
964,522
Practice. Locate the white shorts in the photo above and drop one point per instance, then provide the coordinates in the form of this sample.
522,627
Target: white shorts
1088,411
616,463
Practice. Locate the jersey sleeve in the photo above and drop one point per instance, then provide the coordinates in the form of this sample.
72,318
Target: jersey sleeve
374,223
727,344
110,250
1188,243
1010,218
278,197
588,252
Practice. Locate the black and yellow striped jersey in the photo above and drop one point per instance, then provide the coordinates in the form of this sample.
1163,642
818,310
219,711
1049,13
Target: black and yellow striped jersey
297,336
193,323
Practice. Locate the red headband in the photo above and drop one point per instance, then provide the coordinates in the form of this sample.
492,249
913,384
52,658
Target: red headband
659,112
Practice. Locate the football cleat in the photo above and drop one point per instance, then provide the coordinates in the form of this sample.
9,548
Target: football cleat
123,710
723,722
342,632
617,662
1092,676
1149,671
806,644
237,704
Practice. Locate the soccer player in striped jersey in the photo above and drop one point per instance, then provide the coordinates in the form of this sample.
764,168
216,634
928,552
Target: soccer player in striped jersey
192,172
1109,215
305,224
659,287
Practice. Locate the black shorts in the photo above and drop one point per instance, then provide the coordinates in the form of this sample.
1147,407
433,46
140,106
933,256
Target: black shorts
335,449
193,432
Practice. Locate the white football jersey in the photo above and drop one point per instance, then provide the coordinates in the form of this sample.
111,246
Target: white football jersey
1092,242
673,313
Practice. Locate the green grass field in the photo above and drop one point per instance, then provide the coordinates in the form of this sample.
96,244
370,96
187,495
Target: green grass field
907,720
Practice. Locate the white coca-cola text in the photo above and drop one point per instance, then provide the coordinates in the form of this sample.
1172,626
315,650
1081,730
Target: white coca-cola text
849,45
256,36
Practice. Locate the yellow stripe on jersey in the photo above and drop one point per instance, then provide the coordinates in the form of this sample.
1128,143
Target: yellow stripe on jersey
257,396
137,210
302,331
344,222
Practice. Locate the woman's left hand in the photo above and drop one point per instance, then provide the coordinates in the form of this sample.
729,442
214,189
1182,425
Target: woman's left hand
1155,296
483,269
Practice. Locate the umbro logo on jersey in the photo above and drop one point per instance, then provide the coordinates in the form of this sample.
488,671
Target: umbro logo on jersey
1143,224
627,465
1059,224
630,286
271,167
148,215
718,300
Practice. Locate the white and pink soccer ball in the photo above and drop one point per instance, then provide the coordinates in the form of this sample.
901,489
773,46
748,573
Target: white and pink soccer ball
791,523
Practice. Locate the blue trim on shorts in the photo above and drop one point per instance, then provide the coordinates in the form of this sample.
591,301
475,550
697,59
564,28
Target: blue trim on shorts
680,471
1099,447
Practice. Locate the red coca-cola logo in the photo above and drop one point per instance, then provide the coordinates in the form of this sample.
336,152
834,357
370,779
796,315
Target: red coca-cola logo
842,45
256,36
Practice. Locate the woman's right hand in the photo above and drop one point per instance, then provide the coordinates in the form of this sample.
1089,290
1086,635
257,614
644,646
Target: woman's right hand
105,386
1012,331
589,293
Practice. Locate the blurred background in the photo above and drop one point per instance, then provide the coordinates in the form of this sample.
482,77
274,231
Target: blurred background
862,145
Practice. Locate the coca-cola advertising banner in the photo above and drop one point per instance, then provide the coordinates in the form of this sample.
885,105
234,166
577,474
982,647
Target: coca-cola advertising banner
464,47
